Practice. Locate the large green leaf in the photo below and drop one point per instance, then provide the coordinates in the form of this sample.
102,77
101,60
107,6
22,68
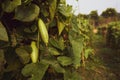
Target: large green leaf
54,64
27,13
52,8
68,75
57,43
23,54
35,70
64,60
76,41
3,33
10,5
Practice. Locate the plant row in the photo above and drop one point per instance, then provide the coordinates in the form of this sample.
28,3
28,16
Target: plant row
113,35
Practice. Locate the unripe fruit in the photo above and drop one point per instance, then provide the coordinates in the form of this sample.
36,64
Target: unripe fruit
43,31
34,54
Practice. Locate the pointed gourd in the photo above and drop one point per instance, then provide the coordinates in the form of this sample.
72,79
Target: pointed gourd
34,54
43,31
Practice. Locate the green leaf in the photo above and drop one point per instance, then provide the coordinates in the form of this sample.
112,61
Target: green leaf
76,41
10,5
64,60
53,51
52,8
58,68
27,13
35,70
54,64
23,54
65,10
57,43
3,33
68,75
60,25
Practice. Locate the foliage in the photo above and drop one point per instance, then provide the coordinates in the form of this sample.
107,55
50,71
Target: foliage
93,15
113,35
109,12
68,47
85,16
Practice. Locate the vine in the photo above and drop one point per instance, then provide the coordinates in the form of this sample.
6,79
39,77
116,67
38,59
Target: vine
68,47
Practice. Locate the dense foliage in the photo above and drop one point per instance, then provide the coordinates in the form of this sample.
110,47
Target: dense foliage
113,35
109,12
68,47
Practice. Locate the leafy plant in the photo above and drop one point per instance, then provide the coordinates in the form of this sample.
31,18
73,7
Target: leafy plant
113,35
25,27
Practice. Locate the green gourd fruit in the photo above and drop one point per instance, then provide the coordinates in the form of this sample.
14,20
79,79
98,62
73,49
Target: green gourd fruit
34,54
43,31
